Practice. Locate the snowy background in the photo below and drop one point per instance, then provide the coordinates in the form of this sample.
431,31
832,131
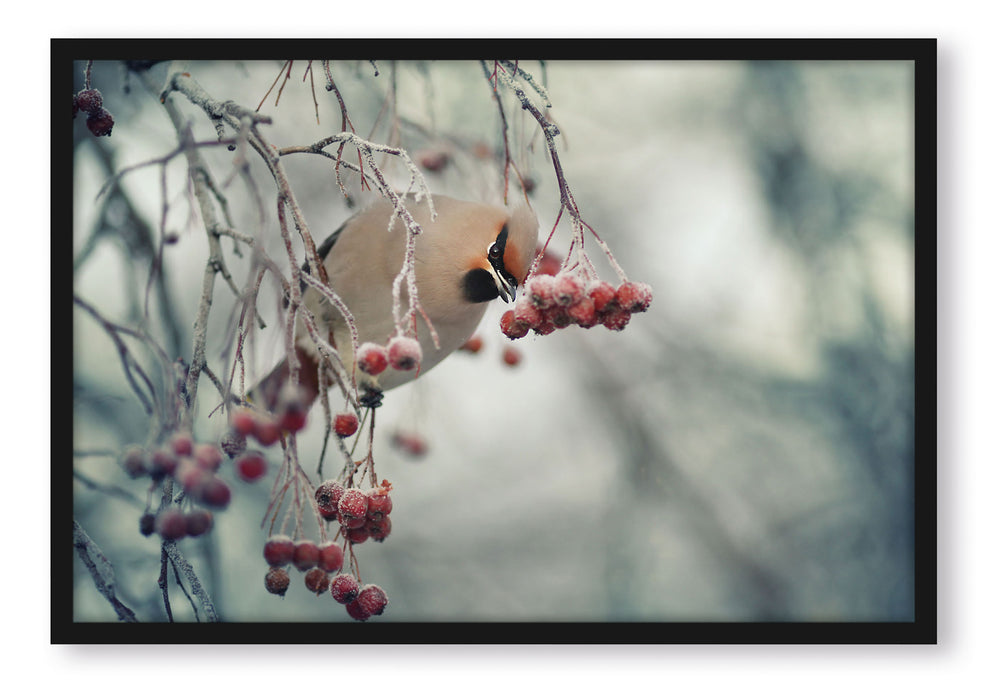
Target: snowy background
742,451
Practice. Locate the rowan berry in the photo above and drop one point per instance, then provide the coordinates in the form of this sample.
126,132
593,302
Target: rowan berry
331,557
473,344
266,432
278,550
379,529
171,524
540,290
404,353
89,100
352,506
182,444
372,358
277,581
511,357
305,555
317,581
132,460
567,289
344,588
198,522
251,466
634,296
208,456
345,424
327,495
100,123
510,327
243,422
379,502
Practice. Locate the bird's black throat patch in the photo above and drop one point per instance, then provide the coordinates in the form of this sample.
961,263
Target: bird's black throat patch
479,286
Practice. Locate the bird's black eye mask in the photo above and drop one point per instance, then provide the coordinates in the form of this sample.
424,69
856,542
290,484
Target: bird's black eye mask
481,286
496,256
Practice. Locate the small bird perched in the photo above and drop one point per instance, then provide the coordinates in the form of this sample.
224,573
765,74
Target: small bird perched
471,254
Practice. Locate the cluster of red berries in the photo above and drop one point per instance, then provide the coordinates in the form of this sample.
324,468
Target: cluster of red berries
173,523
99,121
553,302
362,515
320,562
291,418
193,465
402,353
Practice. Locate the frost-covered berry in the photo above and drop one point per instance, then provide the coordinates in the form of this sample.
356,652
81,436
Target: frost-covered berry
327,495
243,422
357,535
404,354
512,329
233,443
266,431
379,529
191,476
372,600
372,358
215,492
208,456
277,581
305,555
634,296
379,502
146,524
182,444
433,160
344,588
352,506
251,466
292,417
163,462
171,524
331,557
526,313
603,294
89,100
317,581
357,612
100,123
540,290
616,319
511,357
583,312
558,316
132,460
567,289
198,522
345,424
278,550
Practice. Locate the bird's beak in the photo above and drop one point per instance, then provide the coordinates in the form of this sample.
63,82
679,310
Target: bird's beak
506,287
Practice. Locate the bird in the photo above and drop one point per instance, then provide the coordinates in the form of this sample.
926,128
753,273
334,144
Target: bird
471,254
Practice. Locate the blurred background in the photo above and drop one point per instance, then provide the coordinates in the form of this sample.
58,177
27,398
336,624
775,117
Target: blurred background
742,451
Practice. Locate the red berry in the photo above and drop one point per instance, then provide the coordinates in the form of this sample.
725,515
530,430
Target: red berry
634,296
567,289
357,535
473,344
198,522
331,557
100,123
306,555
380,529
372,358
243,422
163,462
433,160
266,432
191,476
182,444
616,319
344,588
327,495
132,460
317,581
510,327
410,444
404,353
583,313
351,523
355,610
251,466
277,581
215,492
545,328
171,524
603,294
89,100
345,424
233,443
208,456
353,505
511,357
540,290
558,316
293,412
278,550
146,524
526,313
379,502
371,600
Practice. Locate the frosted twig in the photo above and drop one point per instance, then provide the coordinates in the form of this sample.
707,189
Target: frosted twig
101,570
